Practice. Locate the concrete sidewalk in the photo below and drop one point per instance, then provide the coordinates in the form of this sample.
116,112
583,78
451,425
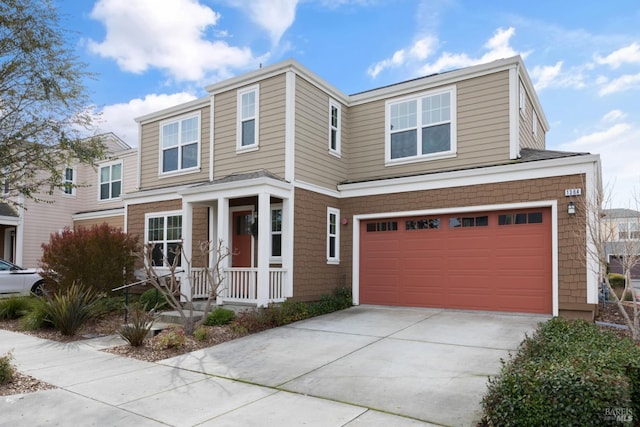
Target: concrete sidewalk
369,366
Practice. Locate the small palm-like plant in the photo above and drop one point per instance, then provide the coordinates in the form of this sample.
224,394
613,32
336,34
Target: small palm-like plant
13,307
71,309
139,326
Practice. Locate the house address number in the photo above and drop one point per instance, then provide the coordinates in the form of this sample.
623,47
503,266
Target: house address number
573,192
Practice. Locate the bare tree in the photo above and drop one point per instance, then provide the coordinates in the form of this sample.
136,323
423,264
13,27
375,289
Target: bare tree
604,240
45,111
170,287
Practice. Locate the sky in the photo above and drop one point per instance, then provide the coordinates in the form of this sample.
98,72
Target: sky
583,57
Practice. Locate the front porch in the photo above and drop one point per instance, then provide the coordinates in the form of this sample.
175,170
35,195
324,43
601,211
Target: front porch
251,216
240,286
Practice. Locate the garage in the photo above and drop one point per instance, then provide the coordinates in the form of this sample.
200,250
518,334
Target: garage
499,260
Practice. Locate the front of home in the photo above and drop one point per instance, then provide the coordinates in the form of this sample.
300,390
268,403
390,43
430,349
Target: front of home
435,192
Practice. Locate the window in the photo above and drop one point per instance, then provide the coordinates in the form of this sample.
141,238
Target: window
334,127
247,129
382,226
276,233
628,230
472,221
69,182
422,224
520,218
523,99
180,140
535,124
421,127
110,181
333,236
164,231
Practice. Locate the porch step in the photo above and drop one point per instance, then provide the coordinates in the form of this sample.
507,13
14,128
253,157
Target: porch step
174,317
236,307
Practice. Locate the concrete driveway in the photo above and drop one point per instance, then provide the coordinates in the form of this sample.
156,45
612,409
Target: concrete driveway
424,364
369,366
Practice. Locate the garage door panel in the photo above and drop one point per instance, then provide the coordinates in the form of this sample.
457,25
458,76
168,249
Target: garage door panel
485,267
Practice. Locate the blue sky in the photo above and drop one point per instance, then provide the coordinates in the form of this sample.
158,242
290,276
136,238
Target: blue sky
583,56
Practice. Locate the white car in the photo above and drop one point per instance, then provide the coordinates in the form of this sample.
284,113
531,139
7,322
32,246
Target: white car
16,280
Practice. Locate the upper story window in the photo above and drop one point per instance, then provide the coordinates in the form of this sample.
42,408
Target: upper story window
523,99
534,124
164,231
110,181
628,230
333,236
334,127
69,182
180,143
421,127
247,127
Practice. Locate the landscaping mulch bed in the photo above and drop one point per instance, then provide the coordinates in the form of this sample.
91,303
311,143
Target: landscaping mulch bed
108,325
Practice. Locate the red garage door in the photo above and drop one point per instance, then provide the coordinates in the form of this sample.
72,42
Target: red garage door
480,261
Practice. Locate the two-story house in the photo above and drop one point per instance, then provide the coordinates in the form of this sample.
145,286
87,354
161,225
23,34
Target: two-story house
622,231
433,192
93,196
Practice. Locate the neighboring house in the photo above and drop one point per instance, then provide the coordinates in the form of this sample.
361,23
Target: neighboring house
97,198
623,225
434,192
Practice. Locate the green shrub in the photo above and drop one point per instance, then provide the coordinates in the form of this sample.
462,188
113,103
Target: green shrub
37,317
201,334
139,326
219,316
567,373
154,298
14,307
7,370
70,309
290,311
616,280
100,257
170,338
114,304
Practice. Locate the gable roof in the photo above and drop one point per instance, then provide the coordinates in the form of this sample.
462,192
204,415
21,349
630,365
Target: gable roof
620,213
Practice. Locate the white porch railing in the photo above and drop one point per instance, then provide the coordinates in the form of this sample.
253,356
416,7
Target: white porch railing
240,284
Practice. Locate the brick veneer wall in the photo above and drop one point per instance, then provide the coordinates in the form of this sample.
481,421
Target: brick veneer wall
312,276
135,225
572,272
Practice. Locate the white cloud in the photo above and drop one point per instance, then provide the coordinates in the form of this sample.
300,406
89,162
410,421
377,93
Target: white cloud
119,118
141,35
419,51
547,76
498,47
620,156
275,16
614,116
619,84
626,55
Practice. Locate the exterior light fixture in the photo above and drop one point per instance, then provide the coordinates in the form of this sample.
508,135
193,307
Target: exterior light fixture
571,208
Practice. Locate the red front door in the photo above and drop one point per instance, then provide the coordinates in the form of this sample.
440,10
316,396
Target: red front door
241,239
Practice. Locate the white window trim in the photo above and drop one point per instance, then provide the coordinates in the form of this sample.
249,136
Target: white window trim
522,99
453,120
335,259
534,124
74,181
164,214
337,151
275,259
256,144
110,165
180,171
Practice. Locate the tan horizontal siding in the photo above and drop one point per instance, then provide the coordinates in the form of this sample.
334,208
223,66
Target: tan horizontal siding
150,154
482,134
314,164
527,139
271,131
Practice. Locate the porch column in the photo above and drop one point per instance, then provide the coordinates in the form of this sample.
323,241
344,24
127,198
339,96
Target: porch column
223,235
287,245
264,232
186,252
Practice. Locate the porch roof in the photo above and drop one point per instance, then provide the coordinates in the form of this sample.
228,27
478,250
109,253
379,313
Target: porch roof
235,177
7,210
